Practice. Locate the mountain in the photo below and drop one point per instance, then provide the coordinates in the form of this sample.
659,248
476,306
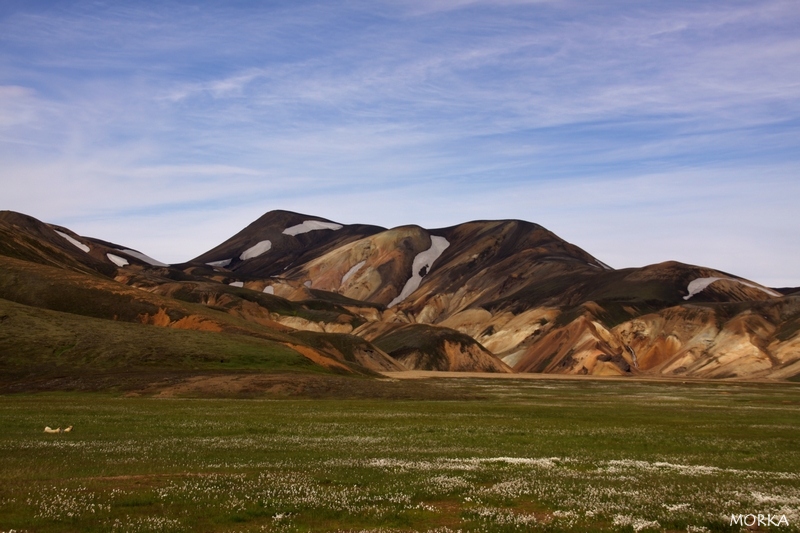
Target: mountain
27,238
66,305
490,296
277,241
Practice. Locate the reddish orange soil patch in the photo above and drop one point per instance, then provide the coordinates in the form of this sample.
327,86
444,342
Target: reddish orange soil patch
318,357
159,319
197,323
193,322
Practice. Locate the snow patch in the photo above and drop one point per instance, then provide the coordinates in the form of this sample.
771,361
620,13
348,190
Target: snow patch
74,241
269,289
698,285
311,225
352,271
117,260
256,250
421,266
603,265
221,264
141,257
307,284
236,283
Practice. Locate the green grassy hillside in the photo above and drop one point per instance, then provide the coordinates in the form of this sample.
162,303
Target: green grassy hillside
41,342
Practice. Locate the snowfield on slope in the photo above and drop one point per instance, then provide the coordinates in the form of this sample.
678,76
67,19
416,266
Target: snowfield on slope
352,271
311,225
424,260
73,241
221,264
700,284
140,256
117,260
256,250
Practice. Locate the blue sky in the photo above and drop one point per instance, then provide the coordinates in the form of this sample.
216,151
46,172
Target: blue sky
640,131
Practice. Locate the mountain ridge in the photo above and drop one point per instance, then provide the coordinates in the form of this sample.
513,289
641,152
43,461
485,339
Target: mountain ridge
498,295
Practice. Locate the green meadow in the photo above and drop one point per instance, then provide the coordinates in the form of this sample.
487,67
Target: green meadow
484,455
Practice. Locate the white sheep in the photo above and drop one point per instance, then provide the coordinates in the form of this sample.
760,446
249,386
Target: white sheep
67,430
47,429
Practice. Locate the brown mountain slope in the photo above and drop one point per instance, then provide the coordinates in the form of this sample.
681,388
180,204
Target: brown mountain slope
27,238
467,265
372,269
424,347
490,260
710,340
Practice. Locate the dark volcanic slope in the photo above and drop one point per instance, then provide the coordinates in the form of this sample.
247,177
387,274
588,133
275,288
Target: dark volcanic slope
491,260
27,238
279,240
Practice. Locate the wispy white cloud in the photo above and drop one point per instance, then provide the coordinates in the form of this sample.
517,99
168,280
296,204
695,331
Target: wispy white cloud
16,105
421,8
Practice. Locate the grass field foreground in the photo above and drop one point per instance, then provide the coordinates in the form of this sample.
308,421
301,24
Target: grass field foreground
516,455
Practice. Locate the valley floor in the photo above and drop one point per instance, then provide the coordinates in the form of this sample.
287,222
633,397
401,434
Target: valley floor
470,454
